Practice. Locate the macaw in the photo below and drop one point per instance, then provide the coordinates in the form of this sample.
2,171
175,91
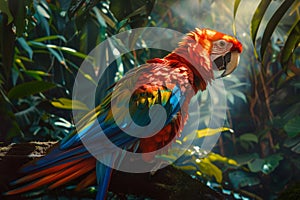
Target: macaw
170,81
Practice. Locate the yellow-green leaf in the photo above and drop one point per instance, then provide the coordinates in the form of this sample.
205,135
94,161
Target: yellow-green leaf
206,132
69,104
36,74
209,169
216,157
211,131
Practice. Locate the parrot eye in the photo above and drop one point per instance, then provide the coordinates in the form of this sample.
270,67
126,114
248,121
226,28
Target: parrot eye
221,46
222,43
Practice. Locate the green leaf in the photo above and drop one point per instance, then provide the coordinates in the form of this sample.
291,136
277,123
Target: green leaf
27,116
75,53
37,44
257,17
291,112
69,104
63,49
51,37
25,46
245,158
57,55
237,85
266,165
236,5
290,142
36,74
271,162
256,165
29,88
246,145
4,8
292,127
230,98
239,94
291,43
296,148
273,22
241,178
249,137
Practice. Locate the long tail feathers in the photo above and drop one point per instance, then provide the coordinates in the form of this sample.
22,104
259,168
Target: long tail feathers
75,172
54,176
44,172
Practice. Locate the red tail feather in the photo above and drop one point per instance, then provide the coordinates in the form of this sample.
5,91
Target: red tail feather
58,175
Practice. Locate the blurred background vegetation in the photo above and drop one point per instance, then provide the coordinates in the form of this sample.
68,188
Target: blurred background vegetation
43,43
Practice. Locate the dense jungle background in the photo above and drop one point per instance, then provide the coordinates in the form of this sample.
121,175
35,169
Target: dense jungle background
44,42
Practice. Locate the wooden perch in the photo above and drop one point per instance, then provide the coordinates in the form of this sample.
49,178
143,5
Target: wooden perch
167,183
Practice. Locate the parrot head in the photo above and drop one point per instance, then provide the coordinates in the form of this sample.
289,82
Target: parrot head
213,50
225,51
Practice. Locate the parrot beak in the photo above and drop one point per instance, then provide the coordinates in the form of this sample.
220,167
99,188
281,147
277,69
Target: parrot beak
232,64
228,62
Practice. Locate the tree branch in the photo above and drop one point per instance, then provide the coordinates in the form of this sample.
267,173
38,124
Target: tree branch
167,183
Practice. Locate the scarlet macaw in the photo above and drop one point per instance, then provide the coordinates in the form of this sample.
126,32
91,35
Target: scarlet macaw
170,81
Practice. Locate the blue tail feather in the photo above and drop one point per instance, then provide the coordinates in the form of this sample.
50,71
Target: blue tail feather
103,178
56,157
